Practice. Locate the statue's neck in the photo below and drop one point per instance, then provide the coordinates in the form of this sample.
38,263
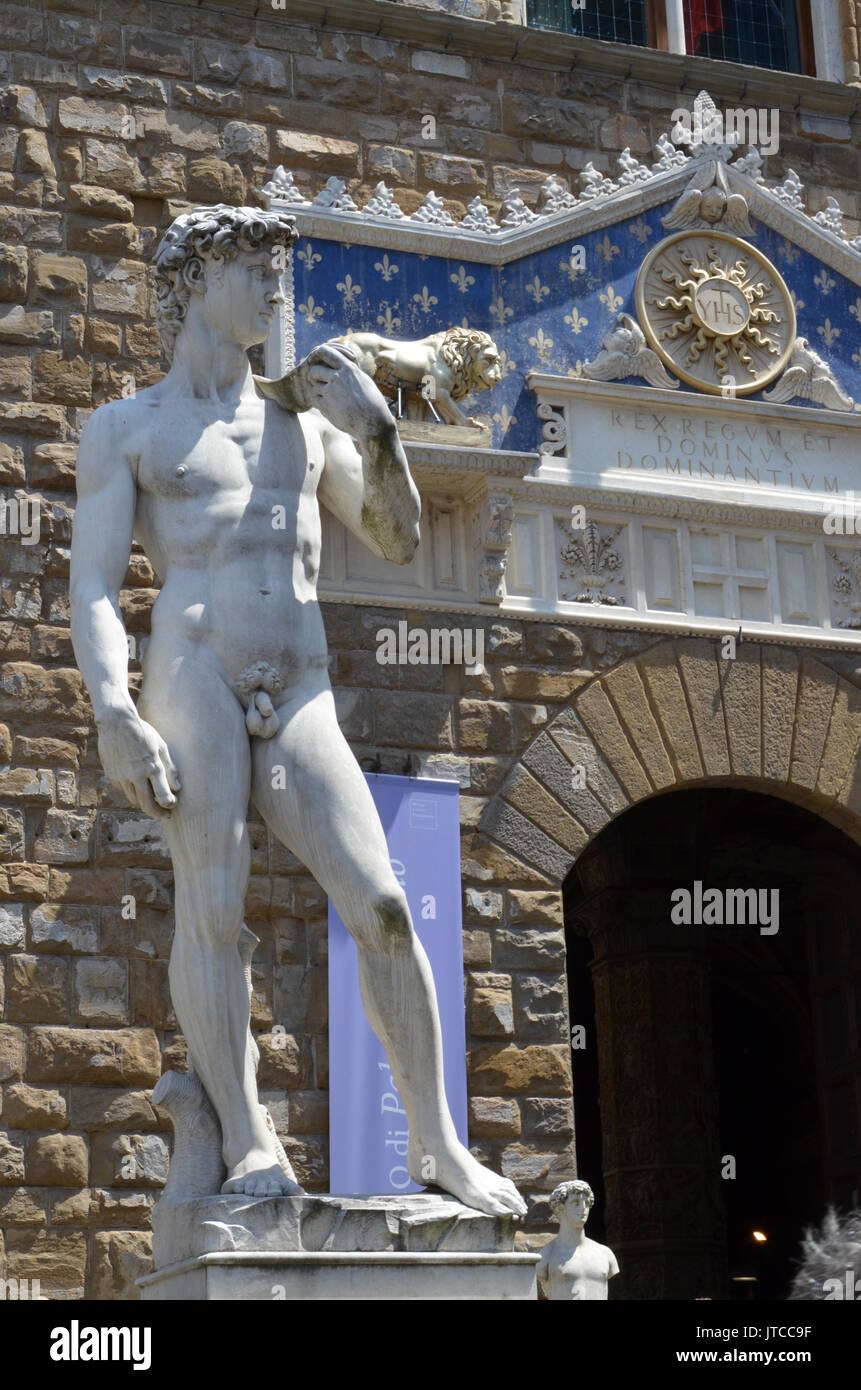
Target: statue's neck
206,364
572,1235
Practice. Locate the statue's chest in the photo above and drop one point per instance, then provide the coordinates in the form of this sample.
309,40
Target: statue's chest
197,455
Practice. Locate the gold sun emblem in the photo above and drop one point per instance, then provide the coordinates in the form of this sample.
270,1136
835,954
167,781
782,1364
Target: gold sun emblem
716,312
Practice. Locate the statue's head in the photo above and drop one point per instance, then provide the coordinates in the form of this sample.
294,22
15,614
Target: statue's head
573,1200
225,256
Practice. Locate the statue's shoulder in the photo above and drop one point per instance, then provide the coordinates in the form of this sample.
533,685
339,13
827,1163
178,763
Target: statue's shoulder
113,431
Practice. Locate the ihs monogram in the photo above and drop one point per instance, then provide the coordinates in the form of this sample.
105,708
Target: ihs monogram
716,311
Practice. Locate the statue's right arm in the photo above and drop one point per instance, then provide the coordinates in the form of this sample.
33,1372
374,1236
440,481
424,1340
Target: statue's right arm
133,754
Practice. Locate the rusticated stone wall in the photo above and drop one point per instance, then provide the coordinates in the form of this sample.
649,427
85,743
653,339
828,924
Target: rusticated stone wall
114,116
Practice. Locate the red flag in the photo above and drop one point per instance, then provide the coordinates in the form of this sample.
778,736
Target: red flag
701,17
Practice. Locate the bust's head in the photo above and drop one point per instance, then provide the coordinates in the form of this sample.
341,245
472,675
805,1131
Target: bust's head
572,1202
223,256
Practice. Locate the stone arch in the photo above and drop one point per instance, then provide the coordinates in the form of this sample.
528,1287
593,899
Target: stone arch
775,719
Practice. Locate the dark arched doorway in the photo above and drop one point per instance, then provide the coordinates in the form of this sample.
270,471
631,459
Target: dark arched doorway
719,1091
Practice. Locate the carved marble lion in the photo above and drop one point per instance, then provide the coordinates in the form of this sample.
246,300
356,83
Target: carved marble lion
445,366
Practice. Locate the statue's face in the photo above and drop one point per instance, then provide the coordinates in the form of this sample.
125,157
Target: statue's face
241,296
577,1208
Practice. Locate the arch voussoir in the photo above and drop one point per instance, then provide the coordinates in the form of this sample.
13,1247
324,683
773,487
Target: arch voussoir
663,680
742,702
677,714
817,688
779,703
698,664
625,687
597,713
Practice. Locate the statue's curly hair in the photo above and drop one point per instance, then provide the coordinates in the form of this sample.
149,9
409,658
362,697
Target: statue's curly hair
559,1196
460,349
204,233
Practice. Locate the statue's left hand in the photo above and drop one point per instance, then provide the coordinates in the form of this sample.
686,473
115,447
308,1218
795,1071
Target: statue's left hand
345,394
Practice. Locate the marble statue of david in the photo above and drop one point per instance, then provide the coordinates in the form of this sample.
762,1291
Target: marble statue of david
235,676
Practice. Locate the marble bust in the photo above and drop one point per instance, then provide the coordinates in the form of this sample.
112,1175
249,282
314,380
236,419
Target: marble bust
223,487
572,1266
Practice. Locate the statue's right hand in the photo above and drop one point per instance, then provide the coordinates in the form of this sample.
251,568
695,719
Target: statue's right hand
136,757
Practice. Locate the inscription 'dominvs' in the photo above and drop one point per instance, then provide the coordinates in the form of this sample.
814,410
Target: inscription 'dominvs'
739,451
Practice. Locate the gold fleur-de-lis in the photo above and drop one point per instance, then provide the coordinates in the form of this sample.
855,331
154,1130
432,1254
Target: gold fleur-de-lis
350,291
388,320
823,281
828,333
386,267
537,290
461,280
641,230
499,310
572,270
310,311
611,299
542,345
425,300
504,418
856,358
576,321
577,369
506,364
799,303
787,251
855,310
309,256
607,249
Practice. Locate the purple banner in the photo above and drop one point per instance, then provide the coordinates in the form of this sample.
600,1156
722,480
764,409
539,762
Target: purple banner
367,1125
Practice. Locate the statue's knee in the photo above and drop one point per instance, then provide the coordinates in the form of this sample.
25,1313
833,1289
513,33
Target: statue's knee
214,909
392,915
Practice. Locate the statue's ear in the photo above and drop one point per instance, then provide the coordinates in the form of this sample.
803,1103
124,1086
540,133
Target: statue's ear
194,275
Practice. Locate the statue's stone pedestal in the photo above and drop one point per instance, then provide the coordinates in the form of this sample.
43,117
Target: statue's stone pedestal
326,1247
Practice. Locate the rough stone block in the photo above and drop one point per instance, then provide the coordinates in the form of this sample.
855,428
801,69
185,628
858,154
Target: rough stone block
57,1160
119,1259
102,990
34,1107
121,1056
37,989
57,1260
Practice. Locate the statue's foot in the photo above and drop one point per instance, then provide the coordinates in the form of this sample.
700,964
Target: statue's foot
456,1171
257,1175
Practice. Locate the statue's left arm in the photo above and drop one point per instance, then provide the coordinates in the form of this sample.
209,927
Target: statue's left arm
366,479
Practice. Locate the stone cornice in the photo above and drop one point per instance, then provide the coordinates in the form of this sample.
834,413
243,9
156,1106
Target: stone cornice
680,74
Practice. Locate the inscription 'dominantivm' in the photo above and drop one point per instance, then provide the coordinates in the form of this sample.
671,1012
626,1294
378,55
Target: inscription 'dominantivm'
723,451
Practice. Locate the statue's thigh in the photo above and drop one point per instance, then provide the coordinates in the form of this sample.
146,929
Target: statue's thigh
203,725
313,795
